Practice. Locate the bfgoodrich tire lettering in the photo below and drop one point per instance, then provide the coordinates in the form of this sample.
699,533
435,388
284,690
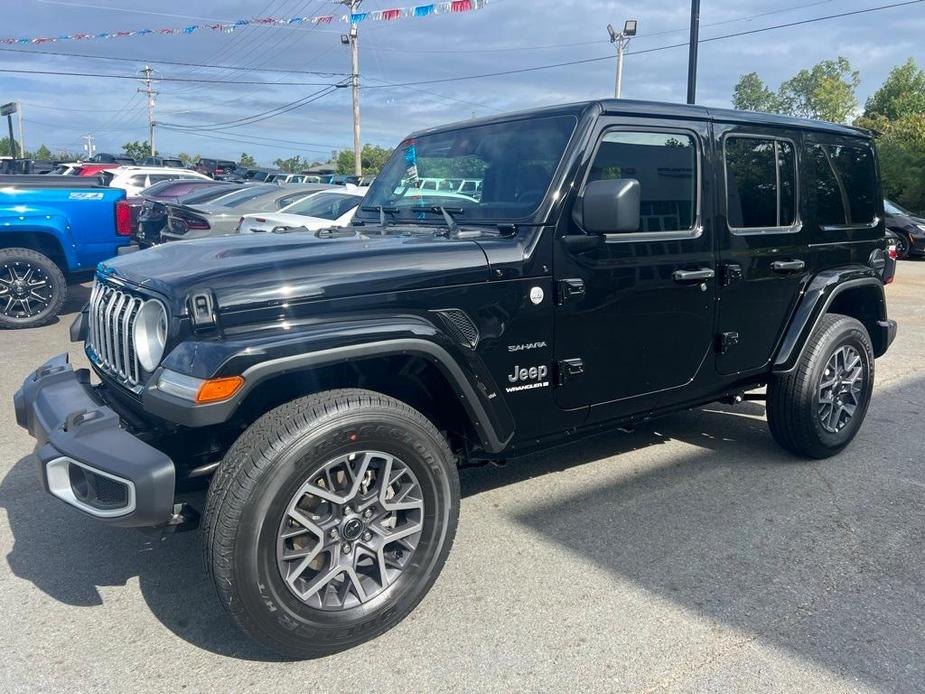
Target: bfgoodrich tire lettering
255,484
837,365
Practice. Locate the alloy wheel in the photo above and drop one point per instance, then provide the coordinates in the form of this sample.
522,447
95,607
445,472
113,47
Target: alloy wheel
350,531
25,290
840,388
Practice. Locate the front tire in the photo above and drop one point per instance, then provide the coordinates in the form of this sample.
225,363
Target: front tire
32,288
817,409
329,520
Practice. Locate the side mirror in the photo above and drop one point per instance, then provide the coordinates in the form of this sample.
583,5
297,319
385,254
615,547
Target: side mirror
611,206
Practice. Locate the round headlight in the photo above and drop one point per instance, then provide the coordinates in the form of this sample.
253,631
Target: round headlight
150,334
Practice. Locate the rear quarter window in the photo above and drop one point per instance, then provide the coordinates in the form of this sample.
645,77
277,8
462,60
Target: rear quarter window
846,190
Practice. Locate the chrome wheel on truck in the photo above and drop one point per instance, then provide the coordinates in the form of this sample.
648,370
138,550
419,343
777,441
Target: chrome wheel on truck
329,519
32,288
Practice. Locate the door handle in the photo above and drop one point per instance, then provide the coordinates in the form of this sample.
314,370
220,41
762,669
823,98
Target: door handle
785,266
693,276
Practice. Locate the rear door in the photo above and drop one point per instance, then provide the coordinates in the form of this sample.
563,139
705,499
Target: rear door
762,250
637,308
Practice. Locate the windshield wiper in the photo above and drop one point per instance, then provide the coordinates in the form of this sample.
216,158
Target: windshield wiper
382,210
448,212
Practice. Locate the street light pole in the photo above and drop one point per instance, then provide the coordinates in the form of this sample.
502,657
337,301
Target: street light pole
692,52
621,41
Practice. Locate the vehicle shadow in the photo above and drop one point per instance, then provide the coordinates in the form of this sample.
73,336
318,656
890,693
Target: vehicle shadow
823,559
77,296
70,557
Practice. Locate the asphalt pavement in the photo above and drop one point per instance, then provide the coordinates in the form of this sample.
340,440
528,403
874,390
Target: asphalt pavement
691,555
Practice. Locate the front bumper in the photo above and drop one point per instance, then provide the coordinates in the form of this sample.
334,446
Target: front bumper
85,456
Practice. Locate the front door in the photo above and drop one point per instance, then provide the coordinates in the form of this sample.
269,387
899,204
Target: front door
636,309
762,247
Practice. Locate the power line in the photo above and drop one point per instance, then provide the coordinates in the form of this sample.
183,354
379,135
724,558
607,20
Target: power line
585,61
257,117
170,79
246,141
158,61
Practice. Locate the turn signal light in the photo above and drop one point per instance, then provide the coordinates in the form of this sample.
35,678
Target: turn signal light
218,389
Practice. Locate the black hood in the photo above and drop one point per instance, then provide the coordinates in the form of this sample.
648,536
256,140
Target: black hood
253,270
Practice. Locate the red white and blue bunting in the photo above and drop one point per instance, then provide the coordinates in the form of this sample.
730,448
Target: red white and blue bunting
451,7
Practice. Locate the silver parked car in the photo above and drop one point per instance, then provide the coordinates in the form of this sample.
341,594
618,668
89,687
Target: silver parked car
221,216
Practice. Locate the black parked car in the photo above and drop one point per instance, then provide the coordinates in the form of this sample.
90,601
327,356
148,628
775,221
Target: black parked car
217,168
625,260
169,162
906,228
152,215
106,158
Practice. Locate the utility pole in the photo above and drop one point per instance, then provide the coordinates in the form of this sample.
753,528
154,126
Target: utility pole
149,92
89,147
351,39
621,41
22,146
692,52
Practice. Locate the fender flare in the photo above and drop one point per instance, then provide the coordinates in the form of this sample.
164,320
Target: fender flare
816,300
490,417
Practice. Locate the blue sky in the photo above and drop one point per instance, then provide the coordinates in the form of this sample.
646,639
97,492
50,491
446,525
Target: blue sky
506,34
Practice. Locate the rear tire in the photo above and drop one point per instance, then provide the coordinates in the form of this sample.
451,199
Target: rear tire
817,409
32,289
329,520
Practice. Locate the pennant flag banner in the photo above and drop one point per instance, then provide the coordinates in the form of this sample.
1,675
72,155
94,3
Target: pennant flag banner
451,7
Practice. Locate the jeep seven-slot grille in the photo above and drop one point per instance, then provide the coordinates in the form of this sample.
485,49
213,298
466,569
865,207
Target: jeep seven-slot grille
112,316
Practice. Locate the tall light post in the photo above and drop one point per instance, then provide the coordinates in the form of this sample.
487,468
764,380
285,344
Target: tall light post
620,42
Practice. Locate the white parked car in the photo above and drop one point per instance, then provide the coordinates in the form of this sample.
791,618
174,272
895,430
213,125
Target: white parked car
134,179
321,210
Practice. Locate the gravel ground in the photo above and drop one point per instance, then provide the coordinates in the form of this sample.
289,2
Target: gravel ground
692,555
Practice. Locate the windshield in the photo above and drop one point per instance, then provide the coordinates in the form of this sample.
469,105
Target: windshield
242,196
324,205
510,165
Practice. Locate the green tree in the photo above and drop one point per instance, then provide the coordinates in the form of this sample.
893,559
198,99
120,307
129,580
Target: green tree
136,150
42,153
752,94
825,92
291,165
372,157
247,161
902,94
5,148
901,148
188,159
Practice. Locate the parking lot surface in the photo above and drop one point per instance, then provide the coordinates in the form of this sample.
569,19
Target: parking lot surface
691,555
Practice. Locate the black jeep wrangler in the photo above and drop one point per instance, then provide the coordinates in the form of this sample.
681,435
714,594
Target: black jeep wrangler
624,260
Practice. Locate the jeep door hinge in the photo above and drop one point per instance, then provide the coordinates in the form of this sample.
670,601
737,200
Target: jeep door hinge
726,340
569,289
567,369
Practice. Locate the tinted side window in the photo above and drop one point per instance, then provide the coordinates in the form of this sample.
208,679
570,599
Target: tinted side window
760,183
665,164
846,184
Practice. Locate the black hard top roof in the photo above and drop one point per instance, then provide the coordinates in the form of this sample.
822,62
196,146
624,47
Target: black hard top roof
663,110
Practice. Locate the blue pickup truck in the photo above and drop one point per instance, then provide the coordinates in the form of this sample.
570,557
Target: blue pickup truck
52,227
